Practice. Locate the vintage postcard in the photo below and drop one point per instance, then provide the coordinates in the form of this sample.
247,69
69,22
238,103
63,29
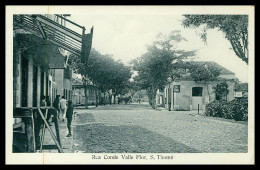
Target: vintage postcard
130,85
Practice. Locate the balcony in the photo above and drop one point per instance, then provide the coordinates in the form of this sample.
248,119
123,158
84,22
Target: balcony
56,33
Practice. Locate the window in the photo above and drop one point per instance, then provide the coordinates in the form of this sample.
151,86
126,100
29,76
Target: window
197,91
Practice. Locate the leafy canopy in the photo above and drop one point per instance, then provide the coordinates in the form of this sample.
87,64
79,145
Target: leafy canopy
156,65
103,71
235,28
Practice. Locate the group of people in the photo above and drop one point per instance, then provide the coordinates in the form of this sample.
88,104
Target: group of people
64,110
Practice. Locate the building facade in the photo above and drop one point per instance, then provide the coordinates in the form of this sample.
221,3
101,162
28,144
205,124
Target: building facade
41,48
78,93
185,94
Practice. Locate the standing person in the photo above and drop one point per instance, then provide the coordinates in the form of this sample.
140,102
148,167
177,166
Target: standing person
49,116
43,102
69,114
63,107
56,105
48,101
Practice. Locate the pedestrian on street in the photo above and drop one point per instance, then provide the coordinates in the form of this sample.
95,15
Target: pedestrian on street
56,105
69,114
43,102
63,107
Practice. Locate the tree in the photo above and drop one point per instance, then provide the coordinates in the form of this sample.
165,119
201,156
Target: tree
235,28
120,78
81,68
155,66
103,71
221,90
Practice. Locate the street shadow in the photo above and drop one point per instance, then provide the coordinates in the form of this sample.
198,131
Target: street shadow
123,107
100,138
85,118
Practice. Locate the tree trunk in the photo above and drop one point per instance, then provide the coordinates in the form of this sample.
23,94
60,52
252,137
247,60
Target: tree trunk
104,101
153,96
114,98
110,99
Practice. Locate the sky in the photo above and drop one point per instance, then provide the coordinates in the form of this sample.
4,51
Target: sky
126,32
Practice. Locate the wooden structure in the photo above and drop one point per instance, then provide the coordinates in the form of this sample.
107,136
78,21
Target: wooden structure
56,33
35,119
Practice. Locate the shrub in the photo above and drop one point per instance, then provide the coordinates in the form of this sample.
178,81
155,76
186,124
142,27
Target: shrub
236,109
227,110
240,109
214,108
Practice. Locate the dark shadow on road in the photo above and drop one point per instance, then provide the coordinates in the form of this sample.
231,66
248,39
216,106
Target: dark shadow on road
123,107
85,118
100,138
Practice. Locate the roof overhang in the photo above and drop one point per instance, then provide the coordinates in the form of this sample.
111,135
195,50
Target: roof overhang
43,52
57,34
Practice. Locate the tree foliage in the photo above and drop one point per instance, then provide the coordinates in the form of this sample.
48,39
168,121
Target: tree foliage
103,71
235,28
221,90
203,72
155,66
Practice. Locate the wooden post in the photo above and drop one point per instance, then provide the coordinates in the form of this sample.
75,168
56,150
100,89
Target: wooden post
49,129
29,129
43,131
198,109
57,127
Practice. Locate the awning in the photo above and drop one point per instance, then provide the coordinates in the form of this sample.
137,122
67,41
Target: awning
44,53
55,33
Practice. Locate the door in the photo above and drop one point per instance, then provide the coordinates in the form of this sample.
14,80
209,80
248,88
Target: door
24,81
197,97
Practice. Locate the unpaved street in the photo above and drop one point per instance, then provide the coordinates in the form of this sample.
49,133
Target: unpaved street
139,129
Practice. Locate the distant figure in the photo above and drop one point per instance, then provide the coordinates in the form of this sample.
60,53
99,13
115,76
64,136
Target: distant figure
69,114
56,104
139,100
63,107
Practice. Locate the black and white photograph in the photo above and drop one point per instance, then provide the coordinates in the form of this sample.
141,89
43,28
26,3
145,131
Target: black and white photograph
130,84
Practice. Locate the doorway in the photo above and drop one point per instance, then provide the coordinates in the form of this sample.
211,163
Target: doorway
24,80
197,97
